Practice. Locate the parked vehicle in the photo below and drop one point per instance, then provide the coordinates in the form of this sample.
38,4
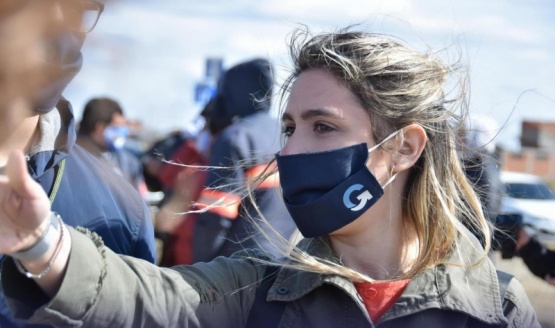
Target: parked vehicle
529,196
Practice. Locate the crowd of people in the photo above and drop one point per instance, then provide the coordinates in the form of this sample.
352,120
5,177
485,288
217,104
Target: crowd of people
357,207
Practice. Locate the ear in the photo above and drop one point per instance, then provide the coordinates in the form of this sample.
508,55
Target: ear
98,132
413,141
99,127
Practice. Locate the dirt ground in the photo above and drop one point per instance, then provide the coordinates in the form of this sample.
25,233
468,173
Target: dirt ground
541,295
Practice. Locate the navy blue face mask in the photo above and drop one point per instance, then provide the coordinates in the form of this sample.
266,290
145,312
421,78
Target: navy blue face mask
327,190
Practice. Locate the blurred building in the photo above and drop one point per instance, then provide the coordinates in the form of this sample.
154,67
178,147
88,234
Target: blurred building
537,154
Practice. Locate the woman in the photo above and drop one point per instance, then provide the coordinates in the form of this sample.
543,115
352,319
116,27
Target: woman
370,175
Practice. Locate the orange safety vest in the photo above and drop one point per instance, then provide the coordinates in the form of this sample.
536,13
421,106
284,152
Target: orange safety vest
227,204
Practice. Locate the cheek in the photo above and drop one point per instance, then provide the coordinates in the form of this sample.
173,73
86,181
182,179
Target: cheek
379,163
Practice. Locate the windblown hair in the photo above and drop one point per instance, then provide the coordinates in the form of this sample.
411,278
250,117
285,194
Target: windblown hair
399,86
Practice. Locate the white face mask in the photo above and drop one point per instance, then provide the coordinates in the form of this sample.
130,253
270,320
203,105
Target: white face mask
115,137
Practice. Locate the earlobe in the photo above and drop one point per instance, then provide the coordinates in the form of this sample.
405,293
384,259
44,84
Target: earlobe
412,145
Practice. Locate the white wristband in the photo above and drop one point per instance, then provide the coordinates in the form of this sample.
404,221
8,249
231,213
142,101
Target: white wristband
43,244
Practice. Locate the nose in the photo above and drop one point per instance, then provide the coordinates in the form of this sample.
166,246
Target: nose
291,147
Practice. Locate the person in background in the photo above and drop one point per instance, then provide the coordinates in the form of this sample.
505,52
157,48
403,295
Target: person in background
483,170
515,238
246,137
162,150
41,54
370,174
183,179
481,165
539,259
103,131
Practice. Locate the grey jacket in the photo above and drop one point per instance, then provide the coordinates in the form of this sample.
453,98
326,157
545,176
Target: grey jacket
102,289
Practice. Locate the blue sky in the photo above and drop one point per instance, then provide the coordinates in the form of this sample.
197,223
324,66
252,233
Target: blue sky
150,54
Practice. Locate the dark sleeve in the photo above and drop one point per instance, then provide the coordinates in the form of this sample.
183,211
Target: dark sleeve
211,227
209,236
540,260
20,285
226,153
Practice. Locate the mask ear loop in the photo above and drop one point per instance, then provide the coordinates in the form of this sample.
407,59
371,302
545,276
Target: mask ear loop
389,137
393,177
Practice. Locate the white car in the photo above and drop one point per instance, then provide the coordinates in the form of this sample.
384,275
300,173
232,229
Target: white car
529,196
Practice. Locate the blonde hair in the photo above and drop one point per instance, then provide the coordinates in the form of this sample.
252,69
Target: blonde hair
399,86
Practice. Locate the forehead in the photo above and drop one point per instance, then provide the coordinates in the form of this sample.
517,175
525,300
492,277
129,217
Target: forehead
320,89
118,119
38,13
19,6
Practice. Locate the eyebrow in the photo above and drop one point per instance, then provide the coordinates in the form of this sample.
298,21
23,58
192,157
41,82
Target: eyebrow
311,113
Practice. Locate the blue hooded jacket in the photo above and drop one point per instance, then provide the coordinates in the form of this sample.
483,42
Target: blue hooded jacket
247,139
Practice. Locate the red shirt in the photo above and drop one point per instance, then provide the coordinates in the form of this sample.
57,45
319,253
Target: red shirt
378,297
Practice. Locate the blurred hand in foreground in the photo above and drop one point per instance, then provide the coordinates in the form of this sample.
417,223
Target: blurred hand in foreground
24,207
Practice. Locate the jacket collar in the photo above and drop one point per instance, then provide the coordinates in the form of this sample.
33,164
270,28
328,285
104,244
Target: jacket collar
56,139
473,290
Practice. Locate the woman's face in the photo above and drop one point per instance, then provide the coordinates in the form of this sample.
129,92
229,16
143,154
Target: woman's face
322,114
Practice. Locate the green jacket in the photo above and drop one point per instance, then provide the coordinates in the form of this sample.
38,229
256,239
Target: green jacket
102,289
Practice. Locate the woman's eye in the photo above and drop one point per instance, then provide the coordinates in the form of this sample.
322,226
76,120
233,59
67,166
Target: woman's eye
287,130
322,128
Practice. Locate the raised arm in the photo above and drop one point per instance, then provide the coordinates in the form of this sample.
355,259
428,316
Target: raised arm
29,232
89,285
